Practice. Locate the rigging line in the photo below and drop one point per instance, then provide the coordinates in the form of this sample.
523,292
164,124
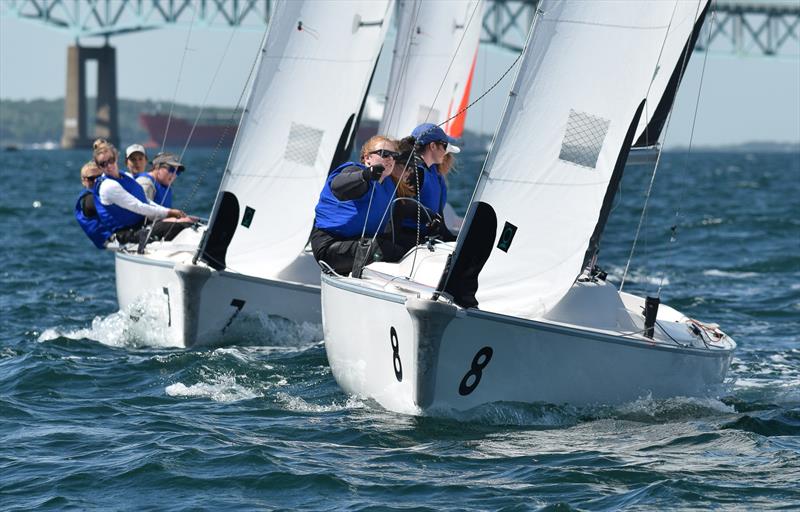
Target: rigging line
655,71
178,81
245,88
191,132
674,232
655,167
208,92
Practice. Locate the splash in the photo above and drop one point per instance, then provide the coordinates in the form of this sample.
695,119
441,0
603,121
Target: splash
220,388
143,324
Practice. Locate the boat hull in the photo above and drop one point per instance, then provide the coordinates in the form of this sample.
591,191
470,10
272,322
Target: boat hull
456,359
201,306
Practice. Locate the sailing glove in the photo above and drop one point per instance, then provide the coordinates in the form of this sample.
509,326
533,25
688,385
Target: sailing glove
373,173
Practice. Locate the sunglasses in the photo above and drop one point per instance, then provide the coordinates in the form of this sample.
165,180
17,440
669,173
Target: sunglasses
385,153
442,143
175,170
92,178
106,163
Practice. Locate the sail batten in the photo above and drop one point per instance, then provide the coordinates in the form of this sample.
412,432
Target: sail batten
548,178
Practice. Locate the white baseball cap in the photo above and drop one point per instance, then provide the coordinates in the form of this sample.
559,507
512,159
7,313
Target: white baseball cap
135,148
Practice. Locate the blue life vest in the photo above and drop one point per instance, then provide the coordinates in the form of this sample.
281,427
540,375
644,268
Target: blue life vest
163,194
347,218
433,196
97,232
113,216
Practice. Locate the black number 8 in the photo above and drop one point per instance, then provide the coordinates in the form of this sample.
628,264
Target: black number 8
398,365
479,362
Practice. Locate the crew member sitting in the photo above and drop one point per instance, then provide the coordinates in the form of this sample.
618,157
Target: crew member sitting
85,211
157,184
122,205
136,159
355,200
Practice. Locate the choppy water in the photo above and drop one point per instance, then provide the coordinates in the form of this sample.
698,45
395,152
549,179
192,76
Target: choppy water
95,413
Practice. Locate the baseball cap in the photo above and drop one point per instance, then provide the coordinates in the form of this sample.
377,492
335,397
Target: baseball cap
429,132
135,148
167,159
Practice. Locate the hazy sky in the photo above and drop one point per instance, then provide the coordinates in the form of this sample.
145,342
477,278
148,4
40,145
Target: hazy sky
742,99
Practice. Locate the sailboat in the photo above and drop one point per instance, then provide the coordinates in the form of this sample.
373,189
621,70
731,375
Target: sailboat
252,260
300,120
515,310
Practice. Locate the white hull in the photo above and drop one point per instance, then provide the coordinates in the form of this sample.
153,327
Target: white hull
201,305
449,358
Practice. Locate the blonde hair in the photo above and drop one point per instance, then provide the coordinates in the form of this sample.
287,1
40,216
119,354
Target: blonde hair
101,146
87,167
403,188
448,163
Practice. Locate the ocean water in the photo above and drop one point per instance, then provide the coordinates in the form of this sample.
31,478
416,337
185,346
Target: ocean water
96,413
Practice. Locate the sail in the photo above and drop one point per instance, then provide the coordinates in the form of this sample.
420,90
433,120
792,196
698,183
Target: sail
571,117
433,64
687,21
312,76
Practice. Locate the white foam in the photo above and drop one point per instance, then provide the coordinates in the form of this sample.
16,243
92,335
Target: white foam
144,323
733,275
295,403
223,388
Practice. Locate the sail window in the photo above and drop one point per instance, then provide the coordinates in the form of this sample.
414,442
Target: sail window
583,139
303,145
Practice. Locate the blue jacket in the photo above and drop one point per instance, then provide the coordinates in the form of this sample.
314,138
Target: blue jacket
97,232
346,218
163,194
433,196
113,216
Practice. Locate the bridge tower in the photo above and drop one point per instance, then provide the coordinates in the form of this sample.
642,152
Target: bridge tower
75,105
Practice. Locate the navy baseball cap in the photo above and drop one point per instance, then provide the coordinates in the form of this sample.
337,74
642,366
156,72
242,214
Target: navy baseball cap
429,132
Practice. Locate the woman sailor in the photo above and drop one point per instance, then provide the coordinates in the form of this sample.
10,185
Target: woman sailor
355,199
85,211
121,202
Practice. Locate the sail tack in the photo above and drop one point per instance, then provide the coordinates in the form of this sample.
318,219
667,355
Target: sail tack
312,76
578,97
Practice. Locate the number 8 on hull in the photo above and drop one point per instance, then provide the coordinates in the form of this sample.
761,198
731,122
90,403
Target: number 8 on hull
513,311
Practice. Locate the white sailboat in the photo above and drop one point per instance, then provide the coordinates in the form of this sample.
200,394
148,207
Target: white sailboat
512,312
312,77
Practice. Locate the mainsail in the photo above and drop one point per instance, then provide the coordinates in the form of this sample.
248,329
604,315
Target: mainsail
312,76
573,114
433,64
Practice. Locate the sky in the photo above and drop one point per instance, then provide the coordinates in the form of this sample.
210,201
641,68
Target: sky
742,99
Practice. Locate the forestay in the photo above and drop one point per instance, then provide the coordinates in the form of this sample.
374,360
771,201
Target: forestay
578,94
312,77
433,64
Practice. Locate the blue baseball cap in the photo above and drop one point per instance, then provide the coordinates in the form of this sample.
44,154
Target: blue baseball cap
429,132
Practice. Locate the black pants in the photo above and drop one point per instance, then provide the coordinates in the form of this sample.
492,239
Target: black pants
340,253
161,231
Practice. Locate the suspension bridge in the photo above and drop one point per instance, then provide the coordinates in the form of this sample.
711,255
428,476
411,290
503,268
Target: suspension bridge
759,29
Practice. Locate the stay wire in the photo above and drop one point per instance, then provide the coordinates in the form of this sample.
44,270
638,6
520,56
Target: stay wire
178,81
658,158
674,227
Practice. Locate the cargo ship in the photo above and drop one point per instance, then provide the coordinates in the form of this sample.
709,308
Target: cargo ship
205,135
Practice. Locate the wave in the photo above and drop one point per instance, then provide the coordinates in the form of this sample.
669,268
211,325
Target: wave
221,388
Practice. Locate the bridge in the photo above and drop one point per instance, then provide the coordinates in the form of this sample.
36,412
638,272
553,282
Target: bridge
762,29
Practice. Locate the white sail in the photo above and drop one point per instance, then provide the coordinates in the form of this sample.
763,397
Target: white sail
586,72
433,64
312,77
